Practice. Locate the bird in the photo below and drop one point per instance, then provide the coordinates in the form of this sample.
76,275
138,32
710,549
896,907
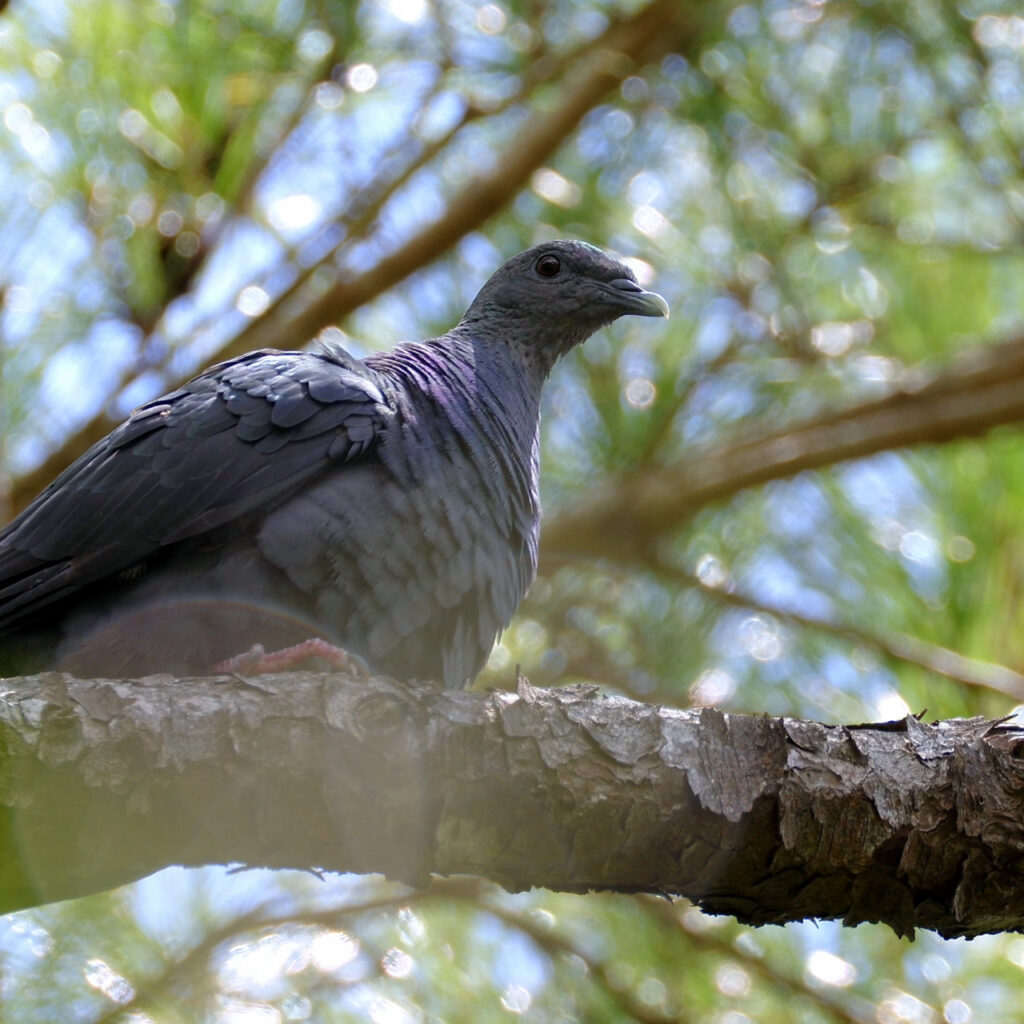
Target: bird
387,506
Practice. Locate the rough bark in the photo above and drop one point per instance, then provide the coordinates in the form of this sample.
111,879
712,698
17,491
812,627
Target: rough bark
768,819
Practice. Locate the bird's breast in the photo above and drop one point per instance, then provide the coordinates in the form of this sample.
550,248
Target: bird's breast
417,559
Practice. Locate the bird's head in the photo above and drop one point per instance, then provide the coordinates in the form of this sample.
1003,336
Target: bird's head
552,297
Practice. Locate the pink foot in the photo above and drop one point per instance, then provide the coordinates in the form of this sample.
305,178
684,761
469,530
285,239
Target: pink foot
256,661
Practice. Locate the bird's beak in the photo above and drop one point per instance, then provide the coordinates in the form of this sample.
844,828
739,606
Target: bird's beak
635,300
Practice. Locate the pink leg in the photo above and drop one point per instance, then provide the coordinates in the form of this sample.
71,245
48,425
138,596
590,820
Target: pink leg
257,662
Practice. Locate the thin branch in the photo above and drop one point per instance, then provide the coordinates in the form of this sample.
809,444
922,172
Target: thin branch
472,892
370,199
198,957
618,519
350,225
25,487
898,646
667,913
668,412
554,944
653,30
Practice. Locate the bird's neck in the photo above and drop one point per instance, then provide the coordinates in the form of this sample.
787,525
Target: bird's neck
495,379
519,364
535,345
466,375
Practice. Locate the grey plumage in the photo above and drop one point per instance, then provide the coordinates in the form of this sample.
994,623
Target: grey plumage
388,505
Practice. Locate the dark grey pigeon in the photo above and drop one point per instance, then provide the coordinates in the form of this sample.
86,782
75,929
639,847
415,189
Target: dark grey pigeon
388,506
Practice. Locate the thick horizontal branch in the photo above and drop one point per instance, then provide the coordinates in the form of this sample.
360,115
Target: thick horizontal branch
982,390
769,819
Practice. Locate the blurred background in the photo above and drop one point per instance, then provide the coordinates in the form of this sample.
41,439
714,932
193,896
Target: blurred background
830,196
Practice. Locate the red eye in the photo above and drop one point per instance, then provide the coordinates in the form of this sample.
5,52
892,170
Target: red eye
549,265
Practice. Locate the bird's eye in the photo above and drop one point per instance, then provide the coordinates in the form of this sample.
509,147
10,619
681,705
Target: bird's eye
548,265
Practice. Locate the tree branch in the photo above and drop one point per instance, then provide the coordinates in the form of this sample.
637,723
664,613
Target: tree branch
903,647
768,819
672,916
652,31
982,390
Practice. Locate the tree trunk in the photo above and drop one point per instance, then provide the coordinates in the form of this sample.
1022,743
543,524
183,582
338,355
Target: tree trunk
768,819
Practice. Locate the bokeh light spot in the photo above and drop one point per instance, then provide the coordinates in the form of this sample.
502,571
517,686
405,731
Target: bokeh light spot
361,77
712,687
830,969
960,549
410,12
490,19
252,301
711,571
292,212
640,393
553,187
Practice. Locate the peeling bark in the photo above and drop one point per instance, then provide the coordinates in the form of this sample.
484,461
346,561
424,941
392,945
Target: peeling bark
768,819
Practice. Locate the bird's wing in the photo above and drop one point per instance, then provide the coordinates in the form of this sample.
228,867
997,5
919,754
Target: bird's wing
234,441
